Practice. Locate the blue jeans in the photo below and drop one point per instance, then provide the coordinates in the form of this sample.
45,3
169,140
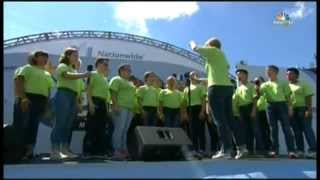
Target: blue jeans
302,126
121,123
220,103
50,115
279,111
65,104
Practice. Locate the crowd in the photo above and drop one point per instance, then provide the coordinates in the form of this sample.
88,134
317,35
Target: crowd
242,119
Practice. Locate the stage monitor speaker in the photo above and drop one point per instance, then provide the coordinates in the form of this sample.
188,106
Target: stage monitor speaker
159,144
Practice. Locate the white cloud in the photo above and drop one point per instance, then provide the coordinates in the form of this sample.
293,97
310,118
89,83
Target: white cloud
299,11
133,16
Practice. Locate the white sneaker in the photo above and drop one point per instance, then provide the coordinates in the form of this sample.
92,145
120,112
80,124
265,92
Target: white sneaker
300,154
241,153
312,155
68,154
55,156
221,154
292,155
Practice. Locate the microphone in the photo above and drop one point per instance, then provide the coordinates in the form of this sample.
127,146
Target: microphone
90,67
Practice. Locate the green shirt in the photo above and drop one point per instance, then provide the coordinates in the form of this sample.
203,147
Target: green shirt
36,80
81,86
136,109
197,94
63,82
300,91
235,107
216,66
125,91
262,103
275,91
149,95
170,99
99,85
245,94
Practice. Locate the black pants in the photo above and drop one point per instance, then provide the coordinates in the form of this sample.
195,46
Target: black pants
220,103
131,136
300,126
37,107
279,111
213,132
172,117
247,127
197,128
150,114
20,119
263,127
95,141
237,131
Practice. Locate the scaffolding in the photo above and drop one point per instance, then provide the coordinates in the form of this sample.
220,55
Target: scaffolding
49,36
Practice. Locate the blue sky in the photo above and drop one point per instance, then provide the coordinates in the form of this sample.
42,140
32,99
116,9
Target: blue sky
246,29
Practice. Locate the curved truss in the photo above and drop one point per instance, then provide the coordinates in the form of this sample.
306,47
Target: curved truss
48,36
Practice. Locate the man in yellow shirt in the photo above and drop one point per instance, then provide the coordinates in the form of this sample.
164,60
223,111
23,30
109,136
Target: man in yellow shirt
245,97
220,92
301,119
262,124
278,94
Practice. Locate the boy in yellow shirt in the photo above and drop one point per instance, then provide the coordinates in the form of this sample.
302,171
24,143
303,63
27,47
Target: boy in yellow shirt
279,107
262,123
245,98
301,119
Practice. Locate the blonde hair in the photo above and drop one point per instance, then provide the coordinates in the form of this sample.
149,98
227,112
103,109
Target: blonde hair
64,56
213,42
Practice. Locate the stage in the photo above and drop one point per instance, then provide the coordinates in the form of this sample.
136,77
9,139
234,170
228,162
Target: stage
206,168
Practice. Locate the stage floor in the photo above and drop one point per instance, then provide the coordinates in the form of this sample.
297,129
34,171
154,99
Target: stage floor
206,168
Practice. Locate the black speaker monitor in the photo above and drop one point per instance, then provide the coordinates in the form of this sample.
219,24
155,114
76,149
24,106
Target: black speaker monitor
159,143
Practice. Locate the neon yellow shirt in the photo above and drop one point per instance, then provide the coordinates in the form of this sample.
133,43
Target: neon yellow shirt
262,103
235,106
99,85
81,86
63,82
171,99
149,95
216,66
125,91
245,94
36,80
275,91
300,91
197,95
